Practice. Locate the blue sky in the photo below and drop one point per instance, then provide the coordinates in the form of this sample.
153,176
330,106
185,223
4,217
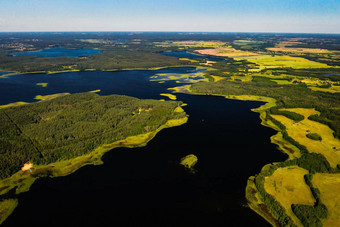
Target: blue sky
310,16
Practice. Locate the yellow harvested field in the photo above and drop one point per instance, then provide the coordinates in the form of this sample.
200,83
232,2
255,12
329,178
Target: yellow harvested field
299,50
214,44
226,52
170,96
328,146
268,61
329,186
288,187
192,44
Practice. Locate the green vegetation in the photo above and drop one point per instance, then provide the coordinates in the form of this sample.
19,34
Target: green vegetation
298,77
62,128
189,161
6,208
311,215
314,136
42,84
170,96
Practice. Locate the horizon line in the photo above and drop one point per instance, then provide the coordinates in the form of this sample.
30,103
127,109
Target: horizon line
145,31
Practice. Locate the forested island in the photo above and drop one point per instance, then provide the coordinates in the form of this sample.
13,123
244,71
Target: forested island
296,75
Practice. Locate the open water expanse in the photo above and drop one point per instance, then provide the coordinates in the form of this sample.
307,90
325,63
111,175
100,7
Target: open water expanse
147,186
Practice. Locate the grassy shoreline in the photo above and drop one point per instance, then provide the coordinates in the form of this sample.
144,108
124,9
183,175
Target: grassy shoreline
21,181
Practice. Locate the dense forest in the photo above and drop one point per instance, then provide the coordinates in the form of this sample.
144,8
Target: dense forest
73,125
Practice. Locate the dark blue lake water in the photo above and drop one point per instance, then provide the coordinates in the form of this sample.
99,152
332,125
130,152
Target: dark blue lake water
146,186
59,52
3,73
186,54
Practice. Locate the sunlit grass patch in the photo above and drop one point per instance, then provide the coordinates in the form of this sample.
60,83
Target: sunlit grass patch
282,82
288,187
217,78
13,104
49,97
95,91
332,89
6,208
188,59
329,186
180,89
179,109
298,131
268,61
189,161
170,96
42,84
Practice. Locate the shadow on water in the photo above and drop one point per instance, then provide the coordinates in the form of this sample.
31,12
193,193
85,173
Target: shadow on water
147,187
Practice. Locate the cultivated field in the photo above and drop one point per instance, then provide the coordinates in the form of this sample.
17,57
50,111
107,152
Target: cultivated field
288,187
328,146
226,52
269,61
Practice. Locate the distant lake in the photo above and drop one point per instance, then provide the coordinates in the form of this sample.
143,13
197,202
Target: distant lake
146,186
186,54
3,73
58,52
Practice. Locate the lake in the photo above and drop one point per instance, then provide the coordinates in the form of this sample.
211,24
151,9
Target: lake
59,52
146,186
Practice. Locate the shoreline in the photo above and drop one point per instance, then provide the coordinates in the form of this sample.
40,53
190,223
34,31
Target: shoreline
13,73
254,199
21,181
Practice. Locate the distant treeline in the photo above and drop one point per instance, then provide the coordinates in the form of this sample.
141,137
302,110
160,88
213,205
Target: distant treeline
74,125
120,58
